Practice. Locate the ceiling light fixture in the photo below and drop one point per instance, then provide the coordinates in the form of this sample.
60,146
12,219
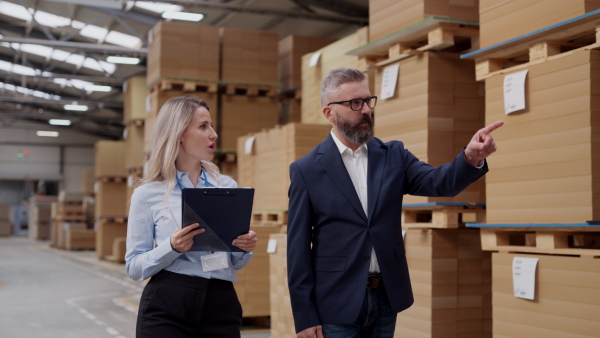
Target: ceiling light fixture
183,16
123,60
59,122
76,107
45,133
98,88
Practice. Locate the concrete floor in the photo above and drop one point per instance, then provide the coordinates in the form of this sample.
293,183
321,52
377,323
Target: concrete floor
53,293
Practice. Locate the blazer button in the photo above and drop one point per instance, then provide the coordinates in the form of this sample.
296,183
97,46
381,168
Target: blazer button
366,257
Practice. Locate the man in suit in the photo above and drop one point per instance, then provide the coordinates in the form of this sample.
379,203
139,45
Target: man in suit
347,269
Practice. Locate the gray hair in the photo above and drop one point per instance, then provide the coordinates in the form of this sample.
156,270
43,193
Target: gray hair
335,79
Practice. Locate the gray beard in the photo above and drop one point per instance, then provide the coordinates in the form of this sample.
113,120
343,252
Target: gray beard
355,133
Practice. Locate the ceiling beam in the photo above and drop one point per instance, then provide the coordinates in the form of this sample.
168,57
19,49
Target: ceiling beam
93,79
39,100
270,11
92,47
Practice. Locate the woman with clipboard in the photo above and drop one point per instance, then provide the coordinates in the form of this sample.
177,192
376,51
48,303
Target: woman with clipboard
190,293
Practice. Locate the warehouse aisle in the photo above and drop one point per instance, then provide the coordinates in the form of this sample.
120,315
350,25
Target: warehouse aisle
50,293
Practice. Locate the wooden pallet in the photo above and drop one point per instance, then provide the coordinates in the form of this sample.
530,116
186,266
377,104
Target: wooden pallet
441,215
136,122
555,239
537,47
251,89
275,217
186,85
79,217
432,34
107,179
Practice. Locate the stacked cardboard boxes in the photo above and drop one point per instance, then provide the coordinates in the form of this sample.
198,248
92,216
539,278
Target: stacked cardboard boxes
266,167
389,16
253,284
5,226
436,108
38,222
502,20
291,50
323,61
451,281
546,169
169,40
111,195
282,320
70,229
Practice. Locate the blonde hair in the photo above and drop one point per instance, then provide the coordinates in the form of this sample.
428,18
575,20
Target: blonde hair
172,120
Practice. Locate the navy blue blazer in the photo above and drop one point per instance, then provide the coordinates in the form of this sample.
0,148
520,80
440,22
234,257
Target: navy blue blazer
330,237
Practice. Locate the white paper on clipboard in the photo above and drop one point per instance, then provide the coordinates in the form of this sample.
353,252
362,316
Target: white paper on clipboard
514,92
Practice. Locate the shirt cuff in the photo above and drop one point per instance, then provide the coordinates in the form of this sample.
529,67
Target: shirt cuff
481,164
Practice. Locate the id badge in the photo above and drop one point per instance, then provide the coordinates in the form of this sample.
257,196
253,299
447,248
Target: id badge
214,261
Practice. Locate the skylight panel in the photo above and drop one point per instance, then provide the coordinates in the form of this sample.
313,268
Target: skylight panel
14,10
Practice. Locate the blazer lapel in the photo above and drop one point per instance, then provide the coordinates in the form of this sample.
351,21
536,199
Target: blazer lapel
377,156
331,160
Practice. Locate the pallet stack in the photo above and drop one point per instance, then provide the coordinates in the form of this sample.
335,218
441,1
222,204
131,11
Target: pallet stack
39,217
323,61
291,50
70,229
542,184
6,228
111,197
250,83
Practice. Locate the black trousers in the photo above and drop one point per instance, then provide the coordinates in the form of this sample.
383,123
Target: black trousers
175,305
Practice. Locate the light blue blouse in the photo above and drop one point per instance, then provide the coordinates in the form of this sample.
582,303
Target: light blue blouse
153,220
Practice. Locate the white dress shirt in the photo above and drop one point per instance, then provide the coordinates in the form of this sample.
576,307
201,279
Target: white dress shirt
356,163
152,219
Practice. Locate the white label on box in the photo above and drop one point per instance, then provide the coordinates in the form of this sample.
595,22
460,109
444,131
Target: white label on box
148,103
125,87
248,145
130,181
314,59
389,80
403,234
514,91
96,187
272,246
523,270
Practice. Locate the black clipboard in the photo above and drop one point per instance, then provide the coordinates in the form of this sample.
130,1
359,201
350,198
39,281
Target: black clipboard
224,213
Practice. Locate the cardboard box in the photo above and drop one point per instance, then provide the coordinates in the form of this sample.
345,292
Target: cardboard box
87,181
282,319
502,20
266,168
291,50
252,285
106,233
389,16
80,239
170,40
111,199
134,99
547,159
241,115
565,303
4,211
109,159
249,56
436,109
134,145
6,228
451,281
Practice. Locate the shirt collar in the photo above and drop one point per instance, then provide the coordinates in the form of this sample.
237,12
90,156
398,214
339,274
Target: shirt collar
342,147
182,174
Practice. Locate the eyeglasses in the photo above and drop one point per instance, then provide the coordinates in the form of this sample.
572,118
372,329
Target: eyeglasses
357,104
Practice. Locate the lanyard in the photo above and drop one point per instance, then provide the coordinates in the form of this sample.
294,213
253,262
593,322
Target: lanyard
203,175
